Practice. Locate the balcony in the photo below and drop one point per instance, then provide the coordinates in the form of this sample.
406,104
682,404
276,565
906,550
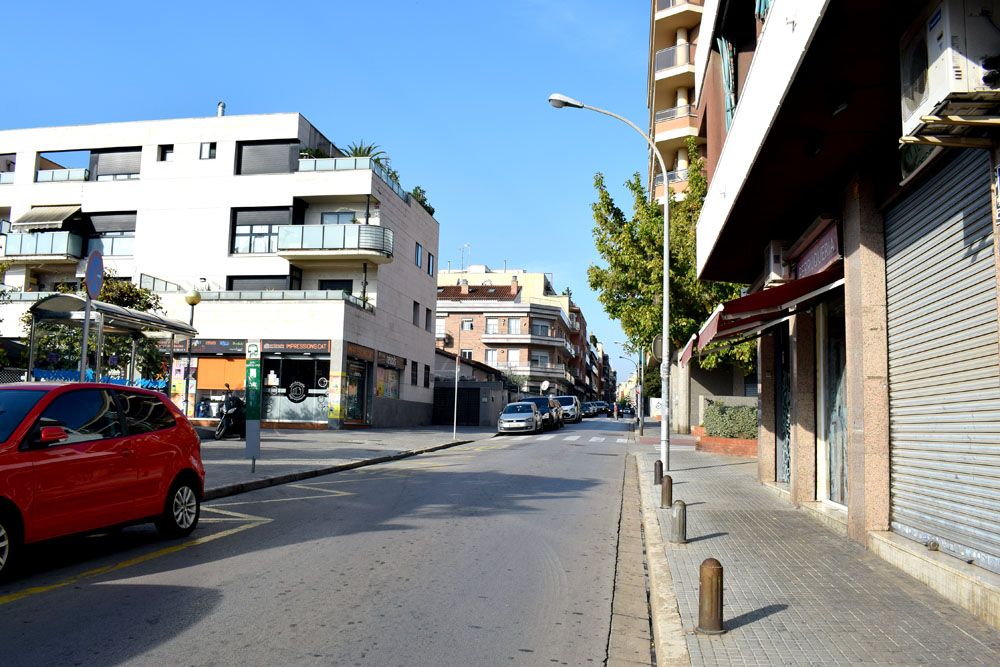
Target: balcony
673,14
325,243
45,247
675,60
677,180
62,175
354,163
288,295
6,177
533,371
501,338
663,5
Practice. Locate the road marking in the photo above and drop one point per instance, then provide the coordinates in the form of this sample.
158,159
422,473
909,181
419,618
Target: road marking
621,440
571,438
597,439
546,437
253,522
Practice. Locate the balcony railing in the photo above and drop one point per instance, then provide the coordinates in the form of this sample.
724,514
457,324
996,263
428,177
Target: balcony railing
670,4
674,56
287,295
6,177
55,244
154,284
522,368
354,163
62,175
674,113
335,237
672,177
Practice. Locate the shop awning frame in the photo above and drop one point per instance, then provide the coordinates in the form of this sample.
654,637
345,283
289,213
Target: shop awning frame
45,218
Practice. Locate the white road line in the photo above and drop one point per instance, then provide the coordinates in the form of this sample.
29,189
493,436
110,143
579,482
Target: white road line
571,438
597,439
520,437
546,437
621,440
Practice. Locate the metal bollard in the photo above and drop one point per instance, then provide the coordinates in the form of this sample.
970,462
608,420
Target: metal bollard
657,472
666,492
678,522
710,598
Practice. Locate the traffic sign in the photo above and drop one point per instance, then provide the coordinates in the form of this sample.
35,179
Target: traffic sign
656,349
95,273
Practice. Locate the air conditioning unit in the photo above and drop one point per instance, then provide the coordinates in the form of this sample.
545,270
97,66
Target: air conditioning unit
943,63
776,269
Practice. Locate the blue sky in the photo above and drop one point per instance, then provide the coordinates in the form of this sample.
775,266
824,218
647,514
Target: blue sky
454,91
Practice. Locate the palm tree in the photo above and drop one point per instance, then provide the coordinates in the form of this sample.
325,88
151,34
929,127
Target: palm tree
377,155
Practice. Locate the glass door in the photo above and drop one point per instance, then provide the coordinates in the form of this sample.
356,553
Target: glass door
782,405
831,399
357,391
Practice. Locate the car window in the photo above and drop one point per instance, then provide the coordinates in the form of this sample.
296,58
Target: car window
86,414
566,400
14,405
144,413
517,409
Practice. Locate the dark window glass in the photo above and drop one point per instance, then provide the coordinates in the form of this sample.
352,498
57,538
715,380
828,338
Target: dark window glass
414,370
418,256
517,409
255,230
165,153
427,375
87,414
338,218
345,285
144,413
416,313
430,264
254,283
207,150
428,318
14,405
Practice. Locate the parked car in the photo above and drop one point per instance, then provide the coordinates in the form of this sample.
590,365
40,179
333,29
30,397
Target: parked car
81,457
602,408
588,409
572,410
552,413
520,416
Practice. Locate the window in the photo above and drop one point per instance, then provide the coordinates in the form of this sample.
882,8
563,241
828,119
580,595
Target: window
466,354
337,218
144,413
428,318
255,283
414,369
466,325
255,230
334,285
416,313
491,357
267,157
87,414
427,375
513,357
539,328
14,406
492,325
418,255
430,264
165,153
439,327
207,150
539,358
513,325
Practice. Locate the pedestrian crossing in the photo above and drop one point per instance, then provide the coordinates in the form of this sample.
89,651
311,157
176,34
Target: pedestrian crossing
563,438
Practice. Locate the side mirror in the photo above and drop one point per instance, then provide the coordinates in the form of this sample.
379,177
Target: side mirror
49,435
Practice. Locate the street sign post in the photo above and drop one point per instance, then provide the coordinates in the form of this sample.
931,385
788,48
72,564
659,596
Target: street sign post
253,402
94,280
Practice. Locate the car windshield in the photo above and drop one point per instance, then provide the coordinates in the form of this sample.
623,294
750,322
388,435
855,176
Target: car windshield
540,401
565,401
516,409
14,405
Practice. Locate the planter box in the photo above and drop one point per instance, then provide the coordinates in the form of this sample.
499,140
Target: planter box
728,446
697,431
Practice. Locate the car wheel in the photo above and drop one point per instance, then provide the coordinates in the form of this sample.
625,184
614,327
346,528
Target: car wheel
10,543
181,511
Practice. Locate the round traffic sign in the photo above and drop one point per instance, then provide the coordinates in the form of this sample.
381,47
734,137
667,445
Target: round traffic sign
95,273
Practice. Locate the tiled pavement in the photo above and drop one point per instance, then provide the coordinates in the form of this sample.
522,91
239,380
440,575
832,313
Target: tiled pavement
795,592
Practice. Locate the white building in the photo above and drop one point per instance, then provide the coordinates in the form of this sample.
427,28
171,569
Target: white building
323,258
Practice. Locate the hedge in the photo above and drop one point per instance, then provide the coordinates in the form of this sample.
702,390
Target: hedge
730,421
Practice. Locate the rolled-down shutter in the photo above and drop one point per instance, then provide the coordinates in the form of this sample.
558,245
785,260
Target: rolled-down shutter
275,157
944,363
113,222
263,216
114,162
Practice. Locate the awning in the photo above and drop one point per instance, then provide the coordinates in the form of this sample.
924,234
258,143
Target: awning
685,355
116,318
45,217
755,312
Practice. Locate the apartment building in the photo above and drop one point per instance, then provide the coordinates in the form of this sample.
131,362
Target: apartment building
321,260
673,37
854,190
515,321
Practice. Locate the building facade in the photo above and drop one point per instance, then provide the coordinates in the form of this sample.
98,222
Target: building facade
873,267
319,259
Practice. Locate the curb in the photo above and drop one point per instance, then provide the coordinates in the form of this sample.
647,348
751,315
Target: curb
668,632
257,484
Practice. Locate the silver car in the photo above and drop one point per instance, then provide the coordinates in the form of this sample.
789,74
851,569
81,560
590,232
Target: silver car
520,417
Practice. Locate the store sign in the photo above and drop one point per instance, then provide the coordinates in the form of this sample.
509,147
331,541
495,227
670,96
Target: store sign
235,346
820,255
361,352
391,361
296,346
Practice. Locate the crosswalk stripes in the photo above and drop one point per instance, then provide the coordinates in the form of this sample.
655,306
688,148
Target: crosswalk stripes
571,438
621,440
546,437
597,439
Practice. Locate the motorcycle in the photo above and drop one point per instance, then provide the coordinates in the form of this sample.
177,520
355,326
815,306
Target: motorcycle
233,420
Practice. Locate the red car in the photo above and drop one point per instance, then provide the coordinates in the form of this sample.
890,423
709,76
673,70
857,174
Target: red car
76,458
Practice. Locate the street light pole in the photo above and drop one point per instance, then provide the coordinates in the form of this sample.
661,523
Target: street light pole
638,384
560,101
192,298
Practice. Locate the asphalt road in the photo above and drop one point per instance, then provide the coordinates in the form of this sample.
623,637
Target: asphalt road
495,553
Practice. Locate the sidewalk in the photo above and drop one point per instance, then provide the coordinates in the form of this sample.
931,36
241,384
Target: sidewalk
288,454
794,592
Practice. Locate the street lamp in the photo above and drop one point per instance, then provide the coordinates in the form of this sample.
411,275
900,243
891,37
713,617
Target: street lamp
192,298
638,380
560,101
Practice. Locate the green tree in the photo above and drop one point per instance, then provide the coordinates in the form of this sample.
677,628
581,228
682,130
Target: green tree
378,156
419,194
630,286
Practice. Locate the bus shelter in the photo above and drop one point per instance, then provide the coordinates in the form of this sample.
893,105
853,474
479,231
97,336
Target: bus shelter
105,319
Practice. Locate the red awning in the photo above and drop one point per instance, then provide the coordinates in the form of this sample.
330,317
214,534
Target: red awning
685,356
757,311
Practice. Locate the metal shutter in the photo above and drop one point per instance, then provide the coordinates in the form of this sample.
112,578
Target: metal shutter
267,158
944,365
263,216
113,222
116,161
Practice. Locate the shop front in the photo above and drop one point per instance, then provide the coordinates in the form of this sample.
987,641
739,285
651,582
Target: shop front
214,363
296,381
387,375
356,401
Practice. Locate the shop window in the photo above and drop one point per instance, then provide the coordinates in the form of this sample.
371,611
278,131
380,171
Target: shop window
386,382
